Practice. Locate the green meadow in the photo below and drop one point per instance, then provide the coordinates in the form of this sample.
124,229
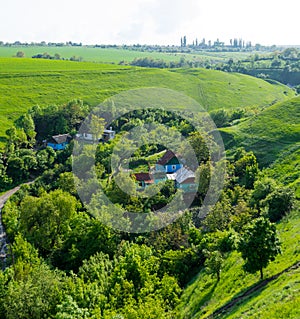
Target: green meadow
115,55
28,82
88,54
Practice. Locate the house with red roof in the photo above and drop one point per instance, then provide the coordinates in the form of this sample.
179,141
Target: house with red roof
144,179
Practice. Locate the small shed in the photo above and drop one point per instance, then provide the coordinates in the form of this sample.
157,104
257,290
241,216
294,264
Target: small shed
108,135
88,136
59,142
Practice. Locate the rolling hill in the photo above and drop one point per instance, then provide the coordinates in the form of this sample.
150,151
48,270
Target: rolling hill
274,137
272,133
28,82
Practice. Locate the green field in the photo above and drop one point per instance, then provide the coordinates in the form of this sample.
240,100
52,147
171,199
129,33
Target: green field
28,82
278,299
111,55
88,54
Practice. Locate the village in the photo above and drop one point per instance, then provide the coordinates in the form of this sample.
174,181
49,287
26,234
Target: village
167,167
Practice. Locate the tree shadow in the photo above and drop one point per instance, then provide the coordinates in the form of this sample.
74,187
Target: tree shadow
3,139
246,294
203,301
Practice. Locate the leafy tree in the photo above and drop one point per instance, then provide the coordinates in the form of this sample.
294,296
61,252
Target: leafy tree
97,126
26,123
20,54
203,176
16,137
69,309
219,217
246,167
88,236
35,294
258,245
220,117
242,215
66,183
262,188
45,220
23,251
180,263
199,147
279,203
213,263
16,169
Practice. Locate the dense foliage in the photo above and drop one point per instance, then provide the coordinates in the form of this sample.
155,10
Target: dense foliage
65,263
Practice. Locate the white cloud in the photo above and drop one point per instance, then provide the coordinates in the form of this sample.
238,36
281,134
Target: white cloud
149,21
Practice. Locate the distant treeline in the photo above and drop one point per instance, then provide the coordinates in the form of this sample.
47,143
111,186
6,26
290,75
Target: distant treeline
281,66
236,45
160,63
56,56
47,56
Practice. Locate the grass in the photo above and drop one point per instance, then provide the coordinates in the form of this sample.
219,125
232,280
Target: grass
286,168
229,90
204,295
111,55
28,82
270,134
278,300
88,54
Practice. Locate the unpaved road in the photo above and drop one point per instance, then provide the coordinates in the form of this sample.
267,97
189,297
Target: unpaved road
5,196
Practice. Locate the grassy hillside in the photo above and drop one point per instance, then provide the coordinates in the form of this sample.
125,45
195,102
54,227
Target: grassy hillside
279,298
28,82
287,168
270,134
218,89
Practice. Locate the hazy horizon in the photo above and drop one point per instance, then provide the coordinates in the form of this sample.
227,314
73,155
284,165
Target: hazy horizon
149,22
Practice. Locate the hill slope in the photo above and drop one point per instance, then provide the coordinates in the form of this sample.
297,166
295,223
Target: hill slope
270,133
286,169
28,82
217,89
278,298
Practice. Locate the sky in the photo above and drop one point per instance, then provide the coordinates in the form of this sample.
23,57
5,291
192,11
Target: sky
266,22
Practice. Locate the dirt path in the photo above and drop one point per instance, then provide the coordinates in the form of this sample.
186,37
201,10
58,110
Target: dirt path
227,307
3,239
5,196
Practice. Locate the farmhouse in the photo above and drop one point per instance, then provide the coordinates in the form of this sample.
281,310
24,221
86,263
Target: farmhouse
144,179
184,179
168,168
169,163
106,136
59,142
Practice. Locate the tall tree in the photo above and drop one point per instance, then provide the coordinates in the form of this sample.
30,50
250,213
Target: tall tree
97,126
258,245
213,263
